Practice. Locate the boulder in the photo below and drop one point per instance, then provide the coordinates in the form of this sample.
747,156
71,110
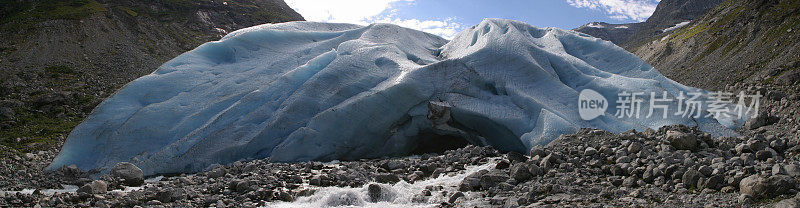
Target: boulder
690,178
788,203
590,151
379,193
792,170
762,119
520,172
94,187
516,157
455,197
753,185
630,181
128,173
715,182
538,150
534,170
170,195
763,155
634,148
472,182
492,179
765,188
217,171
386,178
682,141
780,184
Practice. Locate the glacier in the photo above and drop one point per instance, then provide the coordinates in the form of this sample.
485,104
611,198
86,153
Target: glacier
302,91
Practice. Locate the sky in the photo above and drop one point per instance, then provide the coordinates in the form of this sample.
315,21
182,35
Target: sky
448,17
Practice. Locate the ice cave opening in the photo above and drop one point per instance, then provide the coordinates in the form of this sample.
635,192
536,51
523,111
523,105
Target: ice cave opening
430,142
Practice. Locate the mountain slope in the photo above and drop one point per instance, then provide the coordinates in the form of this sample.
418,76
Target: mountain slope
616,33
61,58
739,41
668,13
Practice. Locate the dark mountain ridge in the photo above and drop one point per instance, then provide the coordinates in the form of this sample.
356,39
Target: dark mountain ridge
668,13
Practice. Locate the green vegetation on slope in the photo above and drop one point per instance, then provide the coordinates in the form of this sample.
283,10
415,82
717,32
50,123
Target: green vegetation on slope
25,14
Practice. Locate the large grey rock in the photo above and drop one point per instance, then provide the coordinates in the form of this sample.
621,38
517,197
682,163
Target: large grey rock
386,178
493,178
520,172
516,157
778,145
715,182
778,169
792,170
319,180
682,141
634,148
630,181
170,195
780,184
623,159
590,151
216,171
745,199
455,197
690,178
374,192
287,197
379,193
129,174
472,182
763,155
94,187
762,119
788,203
394,164
761,188
538,150
246,185
753,185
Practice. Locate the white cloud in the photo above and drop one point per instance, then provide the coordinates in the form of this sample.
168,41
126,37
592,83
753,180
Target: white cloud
365,12
446,28
638,10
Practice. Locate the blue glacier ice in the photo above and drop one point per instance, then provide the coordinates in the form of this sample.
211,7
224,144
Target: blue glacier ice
303,91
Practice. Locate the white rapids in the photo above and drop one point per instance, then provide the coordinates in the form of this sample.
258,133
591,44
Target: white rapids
398,195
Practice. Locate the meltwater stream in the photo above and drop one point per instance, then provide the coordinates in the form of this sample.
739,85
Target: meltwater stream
401,194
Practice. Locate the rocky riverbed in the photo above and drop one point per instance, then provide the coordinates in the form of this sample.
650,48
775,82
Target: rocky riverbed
674,166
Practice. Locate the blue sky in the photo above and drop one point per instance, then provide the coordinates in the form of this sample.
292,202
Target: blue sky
448,17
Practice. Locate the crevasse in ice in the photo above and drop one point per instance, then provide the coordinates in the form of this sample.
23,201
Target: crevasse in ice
319,91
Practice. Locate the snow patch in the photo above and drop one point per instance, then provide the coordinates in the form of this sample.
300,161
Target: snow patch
679,25
595,25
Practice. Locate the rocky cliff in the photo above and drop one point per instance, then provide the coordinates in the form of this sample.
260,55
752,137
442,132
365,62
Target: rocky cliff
752,41
61,58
